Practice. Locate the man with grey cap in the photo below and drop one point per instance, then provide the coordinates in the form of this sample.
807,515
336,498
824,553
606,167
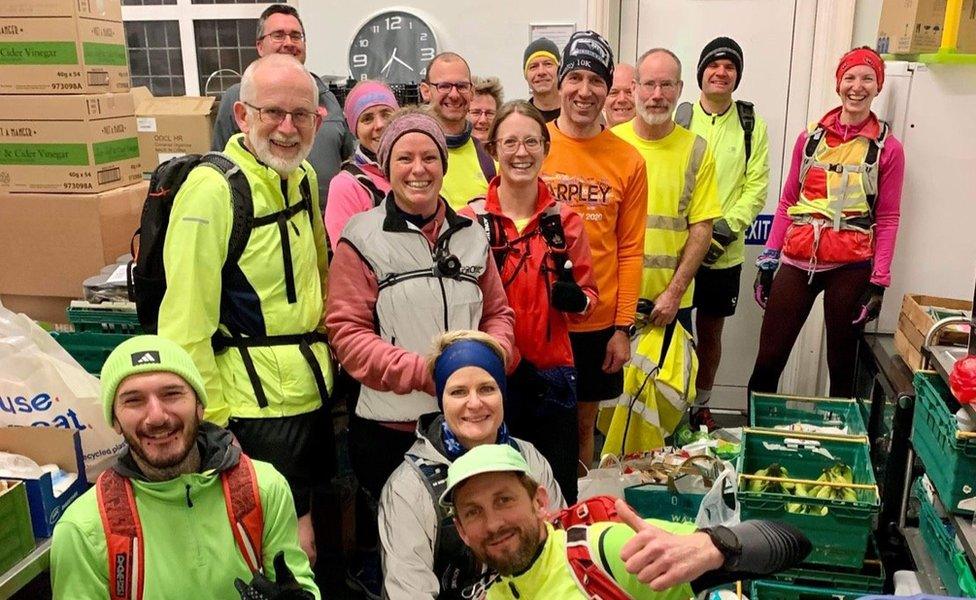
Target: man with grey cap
500,513
737,138
540,62
183,513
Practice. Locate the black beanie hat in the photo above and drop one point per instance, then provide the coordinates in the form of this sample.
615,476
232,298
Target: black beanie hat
721,48
587,50
540,47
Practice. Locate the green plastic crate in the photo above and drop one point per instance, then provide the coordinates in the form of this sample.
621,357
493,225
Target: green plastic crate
104,321
772,410
776,590
840,537
16,533
950,460
870,578
939,536
90,349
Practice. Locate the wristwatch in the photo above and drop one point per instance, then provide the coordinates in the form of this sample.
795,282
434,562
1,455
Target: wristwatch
630,330
727,543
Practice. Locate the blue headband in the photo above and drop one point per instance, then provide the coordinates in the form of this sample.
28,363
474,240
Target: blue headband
467,353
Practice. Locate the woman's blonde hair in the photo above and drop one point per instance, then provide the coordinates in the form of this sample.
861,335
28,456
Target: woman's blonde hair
443,341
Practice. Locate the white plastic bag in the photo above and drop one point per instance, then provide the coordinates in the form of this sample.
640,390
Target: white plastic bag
607,480
42,386
715,509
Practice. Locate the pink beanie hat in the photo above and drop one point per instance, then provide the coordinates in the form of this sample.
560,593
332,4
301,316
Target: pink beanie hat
366,94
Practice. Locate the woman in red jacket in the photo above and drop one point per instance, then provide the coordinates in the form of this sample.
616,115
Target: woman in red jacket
543,257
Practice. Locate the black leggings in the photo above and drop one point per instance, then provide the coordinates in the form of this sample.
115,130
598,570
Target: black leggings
790,301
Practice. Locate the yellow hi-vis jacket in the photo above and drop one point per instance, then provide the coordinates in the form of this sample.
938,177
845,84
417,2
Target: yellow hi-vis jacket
659,386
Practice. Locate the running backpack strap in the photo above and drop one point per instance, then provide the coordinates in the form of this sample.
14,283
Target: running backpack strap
242,203
596,509
747,119
485,160
814,136
871,160
497,239
592,578
363,179
243,500
683,114
123,536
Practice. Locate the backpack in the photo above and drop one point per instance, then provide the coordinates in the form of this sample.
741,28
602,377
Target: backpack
870,160
123,531
747,119
146,272
592,579
550,227
363,179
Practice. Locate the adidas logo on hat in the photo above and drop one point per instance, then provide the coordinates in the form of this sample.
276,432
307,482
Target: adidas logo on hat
148,357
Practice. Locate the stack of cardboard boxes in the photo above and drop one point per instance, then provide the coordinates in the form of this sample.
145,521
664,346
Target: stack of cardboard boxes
71,185
915,27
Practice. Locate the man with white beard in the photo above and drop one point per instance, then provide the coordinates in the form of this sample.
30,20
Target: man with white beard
252,322
682,199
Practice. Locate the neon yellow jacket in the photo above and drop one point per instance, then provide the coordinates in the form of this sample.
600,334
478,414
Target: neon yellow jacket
741,188
194,254
550,576
464,179
190,549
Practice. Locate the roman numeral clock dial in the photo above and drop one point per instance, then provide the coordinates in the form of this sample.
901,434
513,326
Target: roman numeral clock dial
394,47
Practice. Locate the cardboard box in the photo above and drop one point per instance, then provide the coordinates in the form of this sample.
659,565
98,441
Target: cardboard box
74,144
171,126
16,533
53,242
911,26
966,42
62,47
45,446
47,309
914,323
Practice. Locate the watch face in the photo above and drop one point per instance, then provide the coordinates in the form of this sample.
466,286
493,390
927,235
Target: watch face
394,47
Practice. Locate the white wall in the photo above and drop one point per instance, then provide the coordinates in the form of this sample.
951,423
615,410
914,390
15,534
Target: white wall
490,36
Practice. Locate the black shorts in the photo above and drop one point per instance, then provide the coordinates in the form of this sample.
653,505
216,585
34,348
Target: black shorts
589,351
717,290
302,448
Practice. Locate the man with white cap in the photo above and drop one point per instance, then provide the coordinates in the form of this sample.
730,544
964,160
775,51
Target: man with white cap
183,513
501,514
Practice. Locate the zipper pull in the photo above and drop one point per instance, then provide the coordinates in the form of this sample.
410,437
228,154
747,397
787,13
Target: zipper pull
295,228
515,592
189,503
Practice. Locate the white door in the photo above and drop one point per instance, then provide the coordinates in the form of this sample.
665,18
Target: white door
777,43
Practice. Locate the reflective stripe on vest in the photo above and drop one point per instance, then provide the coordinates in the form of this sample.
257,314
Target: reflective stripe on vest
123,530
592,577
659,252
841,181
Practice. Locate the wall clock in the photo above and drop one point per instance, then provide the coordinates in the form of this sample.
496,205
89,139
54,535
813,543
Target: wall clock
393,46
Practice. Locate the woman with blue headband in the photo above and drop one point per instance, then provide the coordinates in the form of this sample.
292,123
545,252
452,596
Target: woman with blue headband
423,556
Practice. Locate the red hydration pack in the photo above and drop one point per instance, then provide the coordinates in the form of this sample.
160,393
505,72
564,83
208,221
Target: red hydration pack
123,531
593,579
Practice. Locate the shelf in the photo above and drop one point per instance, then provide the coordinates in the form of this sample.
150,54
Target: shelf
27,569
943,58
928,575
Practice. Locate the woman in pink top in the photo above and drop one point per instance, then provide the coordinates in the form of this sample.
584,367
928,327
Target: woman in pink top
834,229
360,185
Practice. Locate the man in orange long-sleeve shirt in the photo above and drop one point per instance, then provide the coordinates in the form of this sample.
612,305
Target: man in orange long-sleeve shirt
602,178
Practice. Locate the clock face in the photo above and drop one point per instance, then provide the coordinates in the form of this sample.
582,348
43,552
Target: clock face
394,47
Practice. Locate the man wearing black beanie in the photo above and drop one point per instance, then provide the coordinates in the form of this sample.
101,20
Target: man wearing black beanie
737,137
540,62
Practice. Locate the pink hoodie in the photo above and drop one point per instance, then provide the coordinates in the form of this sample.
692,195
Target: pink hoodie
347,197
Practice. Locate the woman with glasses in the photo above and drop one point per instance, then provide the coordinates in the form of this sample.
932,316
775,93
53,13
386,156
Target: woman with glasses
361,184
488,96
543,257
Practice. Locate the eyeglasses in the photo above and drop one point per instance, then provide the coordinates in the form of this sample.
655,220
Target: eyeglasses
510,145
274,116
477,113
297,37
666,86
444,87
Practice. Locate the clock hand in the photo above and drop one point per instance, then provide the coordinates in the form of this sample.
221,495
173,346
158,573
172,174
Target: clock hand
389,62
402,63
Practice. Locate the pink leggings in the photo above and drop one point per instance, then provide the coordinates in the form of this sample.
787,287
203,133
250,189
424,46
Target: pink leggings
790,301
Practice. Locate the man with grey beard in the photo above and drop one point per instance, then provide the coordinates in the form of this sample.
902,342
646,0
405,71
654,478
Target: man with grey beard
252,322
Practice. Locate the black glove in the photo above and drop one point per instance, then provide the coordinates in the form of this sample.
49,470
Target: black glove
567,295
762,285
869,306
262,588
722,236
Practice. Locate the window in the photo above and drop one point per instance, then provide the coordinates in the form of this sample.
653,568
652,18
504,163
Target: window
176,45
155,56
